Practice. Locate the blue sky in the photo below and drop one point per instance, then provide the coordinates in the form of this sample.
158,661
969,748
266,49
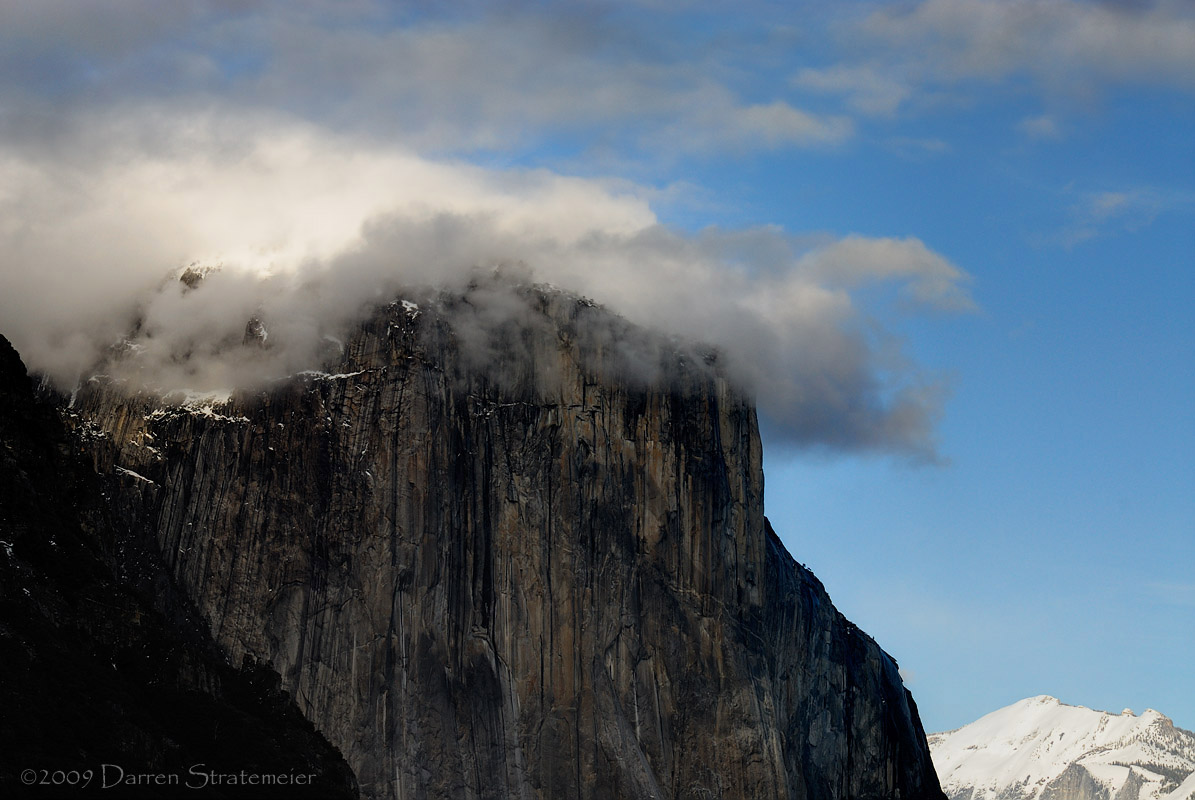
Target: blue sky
977,217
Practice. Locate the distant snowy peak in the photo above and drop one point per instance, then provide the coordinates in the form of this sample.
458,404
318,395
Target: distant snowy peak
1043,749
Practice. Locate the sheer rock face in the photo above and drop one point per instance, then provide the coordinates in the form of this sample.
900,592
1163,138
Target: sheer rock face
543,579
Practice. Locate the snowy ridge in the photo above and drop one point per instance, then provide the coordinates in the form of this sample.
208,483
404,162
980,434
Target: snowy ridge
1043,748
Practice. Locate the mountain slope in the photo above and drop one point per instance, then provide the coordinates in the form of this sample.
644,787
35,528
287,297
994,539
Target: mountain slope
548,576
1042,748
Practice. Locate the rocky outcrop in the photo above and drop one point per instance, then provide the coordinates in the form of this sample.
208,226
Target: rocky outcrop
1075,783
545,578
107,672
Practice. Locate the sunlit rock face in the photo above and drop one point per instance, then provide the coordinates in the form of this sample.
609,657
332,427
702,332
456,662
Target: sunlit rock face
533,566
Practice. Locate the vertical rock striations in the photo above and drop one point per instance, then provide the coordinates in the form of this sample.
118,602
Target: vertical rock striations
549,577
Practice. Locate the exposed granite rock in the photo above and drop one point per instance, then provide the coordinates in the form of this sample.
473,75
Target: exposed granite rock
102,662
544,579
1131,790
1075,783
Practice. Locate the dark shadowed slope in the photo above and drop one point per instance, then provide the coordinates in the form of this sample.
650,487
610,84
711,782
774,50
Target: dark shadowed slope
103,662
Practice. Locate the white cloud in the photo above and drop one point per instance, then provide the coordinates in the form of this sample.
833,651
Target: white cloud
313,227
932,281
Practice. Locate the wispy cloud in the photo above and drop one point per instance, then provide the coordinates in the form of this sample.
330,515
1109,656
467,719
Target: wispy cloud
448,80
1126,211
867,89
1066,45
899,58
917,148
1040,127
720,125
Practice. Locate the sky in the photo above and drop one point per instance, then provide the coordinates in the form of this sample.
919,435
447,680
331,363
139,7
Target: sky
947,244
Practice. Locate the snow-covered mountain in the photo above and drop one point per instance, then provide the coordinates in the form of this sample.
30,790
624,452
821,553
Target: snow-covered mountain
1043,749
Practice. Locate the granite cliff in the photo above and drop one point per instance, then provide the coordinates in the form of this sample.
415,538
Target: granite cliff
547,577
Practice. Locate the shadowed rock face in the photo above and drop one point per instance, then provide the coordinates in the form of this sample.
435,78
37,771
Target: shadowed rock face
544,579
104,663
